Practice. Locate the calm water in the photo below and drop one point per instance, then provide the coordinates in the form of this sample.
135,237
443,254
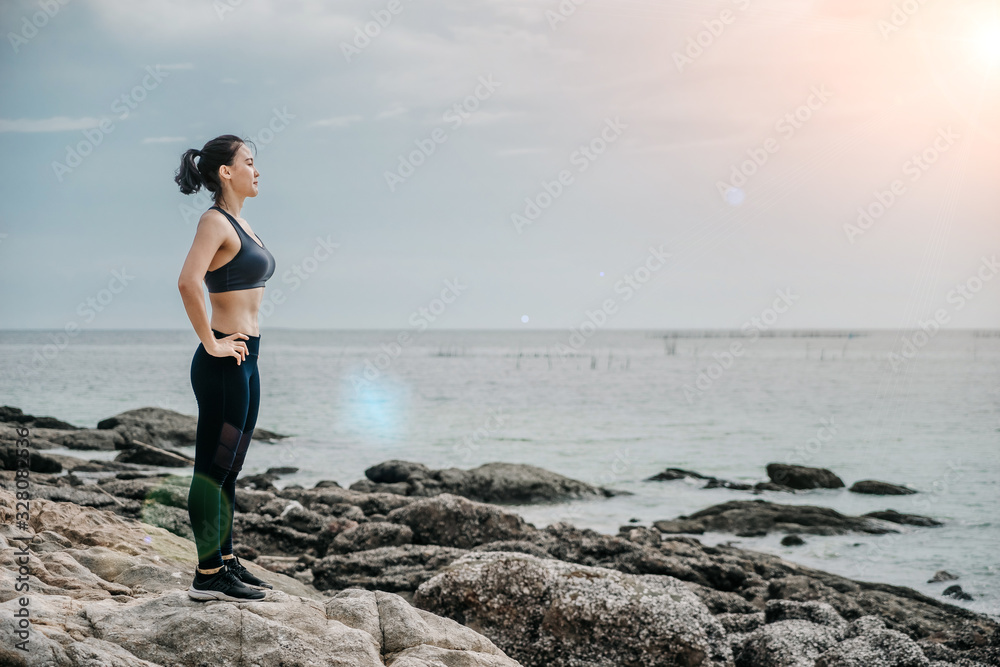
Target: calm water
614,413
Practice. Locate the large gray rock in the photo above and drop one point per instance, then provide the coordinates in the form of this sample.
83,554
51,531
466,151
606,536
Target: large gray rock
870,644
751,518
372,535
11,460
501,483
792,643
875,487
548,613
164,428
16,416
803,477
146,454
455,521
908,519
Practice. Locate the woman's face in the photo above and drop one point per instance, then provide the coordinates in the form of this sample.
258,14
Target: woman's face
241,174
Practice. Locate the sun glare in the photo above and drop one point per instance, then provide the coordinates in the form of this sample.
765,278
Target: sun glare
986,43
983,33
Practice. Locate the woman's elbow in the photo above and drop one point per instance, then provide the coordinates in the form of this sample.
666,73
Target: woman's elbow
187,285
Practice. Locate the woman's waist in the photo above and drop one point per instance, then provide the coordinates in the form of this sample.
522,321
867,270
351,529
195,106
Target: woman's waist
251,341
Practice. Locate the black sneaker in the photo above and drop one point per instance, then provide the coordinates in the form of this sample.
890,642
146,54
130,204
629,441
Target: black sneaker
236,567
222,585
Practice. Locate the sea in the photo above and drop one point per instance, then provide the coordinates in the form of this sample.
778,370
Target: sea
612,408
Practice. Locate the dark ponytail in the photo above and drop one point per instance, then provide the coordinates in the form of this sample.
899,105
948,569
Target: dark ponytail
192,176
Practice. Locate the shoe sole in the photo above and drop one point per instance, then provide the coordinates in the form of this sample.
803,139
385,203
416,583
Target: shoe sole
198,594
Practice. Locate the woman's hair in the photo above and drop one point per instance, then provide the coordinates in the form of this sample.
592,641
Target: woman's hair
191,177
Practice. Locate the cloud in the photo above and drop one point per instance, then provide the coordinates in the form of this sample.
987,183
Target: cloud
54,124
480,117
389,113
163,140
337,121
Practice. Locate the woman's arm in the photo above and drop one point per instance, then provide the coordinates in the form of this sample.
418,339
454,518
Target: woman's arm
208,238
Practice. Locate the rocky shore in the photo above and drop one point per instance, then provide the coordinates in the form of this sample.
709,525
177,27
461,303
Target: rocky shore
411,568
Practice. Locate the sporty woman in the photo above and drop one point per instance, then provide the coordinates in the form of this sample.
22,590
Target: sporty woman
233,264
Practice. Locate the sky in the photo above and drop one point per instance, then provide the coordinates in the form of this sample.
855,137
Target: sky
511,164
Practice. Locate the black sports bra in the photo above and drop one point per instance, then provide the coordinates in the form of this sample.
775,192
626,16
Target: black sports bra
251,267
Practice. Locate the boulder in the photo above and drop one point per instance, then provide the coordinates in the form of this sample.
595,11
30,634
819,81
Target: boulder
550,613
791,643
12,415
455,521
677,473
803,477
710,482
372,535
145,454
942,575
10,458
813,611
164,428
909,519
875,648
679,526
875,487
955,591
751,518
500,483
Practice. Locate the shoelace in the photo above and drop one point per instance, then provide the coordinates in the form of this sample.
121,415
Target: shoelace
237,567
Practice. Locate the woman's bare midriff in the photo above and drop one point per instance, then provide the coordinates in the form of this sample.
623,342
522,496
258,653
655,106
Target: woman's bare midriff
236,311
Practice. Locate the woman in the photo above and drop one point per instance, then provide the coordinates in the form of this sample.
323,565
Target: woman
234,265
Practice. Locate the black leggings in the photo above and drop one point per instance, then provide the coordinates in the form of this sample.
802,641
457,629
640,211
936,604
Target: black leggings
228,395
